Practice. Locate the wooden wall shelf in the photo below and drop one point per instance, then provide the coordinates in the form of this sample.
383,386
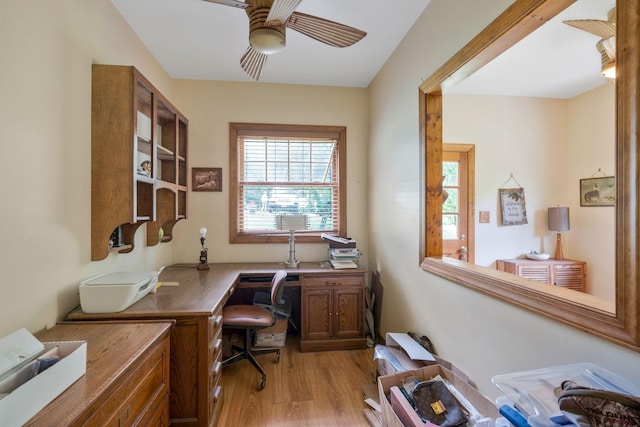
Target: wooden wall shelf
132,123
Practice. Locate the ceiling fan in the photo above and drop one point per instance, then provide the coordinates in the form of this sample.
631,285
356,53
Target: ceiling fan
607,43
268,20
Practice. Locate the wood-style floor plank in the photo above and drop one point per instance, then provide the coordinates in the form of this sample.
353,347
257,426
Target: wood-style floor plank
317,389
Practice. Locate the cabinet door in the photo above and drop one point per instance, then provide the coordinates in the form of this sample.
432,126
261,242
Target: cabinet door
538,272
569,276
317,309
348,312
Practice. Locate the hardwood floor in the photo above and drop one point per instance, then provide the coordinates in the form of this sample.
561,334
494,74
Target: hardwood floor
305,389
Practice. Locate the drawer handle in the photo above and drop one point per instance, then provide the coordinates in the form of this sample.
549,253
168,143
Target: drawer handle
217,393
217,369
123,420
217,346
217,321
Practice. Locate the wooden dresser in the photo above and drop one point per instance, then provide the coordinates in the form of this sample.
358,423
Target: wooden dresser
567,273
127,377
196,340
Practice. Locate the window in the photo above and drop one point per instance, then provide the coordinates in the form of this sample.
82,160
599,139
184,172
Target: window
286,177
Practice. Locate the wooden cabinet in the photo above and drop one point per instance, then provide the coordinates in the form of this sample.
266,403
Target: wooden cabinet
567,273
196,366
195,306
127,377
139,161
332,312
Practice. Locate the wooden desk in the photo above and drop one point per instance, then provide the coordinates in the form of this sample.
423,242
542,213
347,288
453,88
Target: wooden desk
332,307
127,377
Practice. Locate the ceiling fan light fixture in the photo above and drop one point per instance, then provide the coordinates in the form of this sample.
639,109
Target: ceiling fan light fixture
609,70
267,40
607,49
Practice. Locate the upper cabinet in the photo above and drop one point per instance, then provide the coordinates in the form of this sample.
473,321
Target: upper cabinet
139,161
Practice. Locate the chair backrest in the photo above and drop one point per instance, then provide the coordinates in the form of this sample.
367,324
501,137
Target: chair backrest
277,287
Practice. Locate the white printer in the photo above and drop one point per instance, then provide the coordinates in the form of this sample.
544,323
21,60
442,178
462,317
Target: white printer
113,292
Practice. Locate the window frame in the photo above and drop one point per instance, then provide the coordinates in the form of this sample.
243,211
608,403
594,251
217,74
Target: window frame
237,130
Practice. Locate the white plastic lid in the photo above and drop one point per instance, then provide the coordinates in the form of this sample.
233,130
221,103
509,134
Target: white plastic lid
122,278
17,349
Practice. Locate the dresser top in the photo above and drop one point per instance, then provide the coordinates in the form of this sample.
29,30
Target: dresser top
111,350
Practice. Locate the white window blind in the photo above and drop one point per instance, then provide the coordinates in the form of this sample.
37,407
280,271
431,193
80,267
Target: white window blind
287,183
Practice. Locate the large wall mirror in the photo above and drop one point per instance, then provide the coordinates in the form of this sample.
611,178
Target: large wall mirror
615,318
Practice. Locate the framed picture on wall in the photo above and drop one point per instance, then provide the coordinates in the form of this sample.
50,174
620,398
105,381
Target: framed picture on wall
206,179
512,205
600,191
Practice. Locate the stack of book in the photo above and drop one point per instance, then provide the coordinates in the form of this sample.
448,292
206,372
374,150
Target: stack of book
342,252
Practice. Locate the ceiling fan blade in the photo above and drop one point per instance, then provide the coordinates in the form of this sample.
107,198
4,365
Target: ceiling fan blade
325,31
233,3
280,11
252,62
604,29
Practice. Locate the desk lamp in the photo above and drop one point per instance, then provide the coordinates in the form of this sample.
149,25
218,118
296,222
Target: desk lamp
558,219
203,264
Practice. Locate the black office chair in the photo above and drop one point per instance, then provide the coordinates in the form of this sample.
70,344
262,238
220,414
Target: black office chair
252,318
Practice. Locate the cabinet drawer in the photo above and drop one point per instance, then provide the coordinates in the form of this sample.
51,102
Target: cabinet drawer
215,324
214,376
137,394
216,400
335,280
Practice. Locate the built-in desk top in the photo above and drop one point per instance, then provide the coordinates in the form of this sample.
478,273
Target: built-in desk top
200,291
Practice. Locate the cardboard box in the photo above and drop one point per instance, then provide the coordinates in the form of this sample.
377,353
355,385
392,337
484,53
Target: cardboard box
402,353
28,396
273,336
481,403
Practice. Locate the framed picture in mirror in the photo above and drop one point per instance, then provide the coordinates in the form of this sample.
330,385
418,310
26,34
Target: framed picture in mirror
600,191
512,205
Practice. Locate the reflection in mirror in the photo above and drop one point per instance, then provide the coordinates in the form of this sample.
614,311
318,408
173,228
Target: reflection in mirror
555,116
617,320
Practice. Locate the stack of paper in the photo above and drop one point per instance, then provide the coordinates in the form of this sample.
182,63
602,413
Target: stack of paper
340,264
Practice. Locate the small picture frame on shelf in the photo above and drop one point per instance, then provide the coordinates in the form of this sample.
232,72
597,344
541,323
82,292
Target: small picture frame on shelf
600,191
144,165
206,179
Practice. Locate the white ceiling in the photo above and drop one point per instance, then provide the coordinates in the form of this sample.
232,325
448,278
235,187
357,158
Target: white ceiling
556,61
195,39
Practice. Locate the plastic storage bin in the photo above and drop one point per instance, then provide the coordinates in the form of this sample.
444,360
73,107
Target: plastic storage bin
533,393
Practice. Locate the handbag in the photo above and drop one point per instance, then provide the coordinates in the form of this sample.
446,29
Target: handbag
598,408
435,403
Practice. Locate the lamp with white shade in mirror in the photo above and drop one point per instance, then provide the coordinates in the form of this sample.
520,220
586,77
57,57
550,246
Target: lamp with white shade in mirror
203,264
558,220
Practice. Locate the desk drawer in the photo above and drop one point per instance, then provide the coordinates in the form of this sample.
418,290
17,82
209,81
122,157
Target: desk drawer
334,280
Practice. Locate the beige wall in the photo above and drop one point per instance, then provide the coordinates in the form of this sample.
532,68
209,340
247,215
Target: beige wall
592,148
46,51
480,334
211,106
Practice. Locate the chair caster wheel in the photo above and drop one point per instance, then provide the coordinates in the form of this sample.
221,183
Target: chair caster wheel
263,382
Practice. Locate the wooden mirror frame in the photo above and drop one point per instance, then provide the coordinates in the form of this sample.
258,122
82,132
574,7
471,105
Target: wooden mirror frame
615,321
